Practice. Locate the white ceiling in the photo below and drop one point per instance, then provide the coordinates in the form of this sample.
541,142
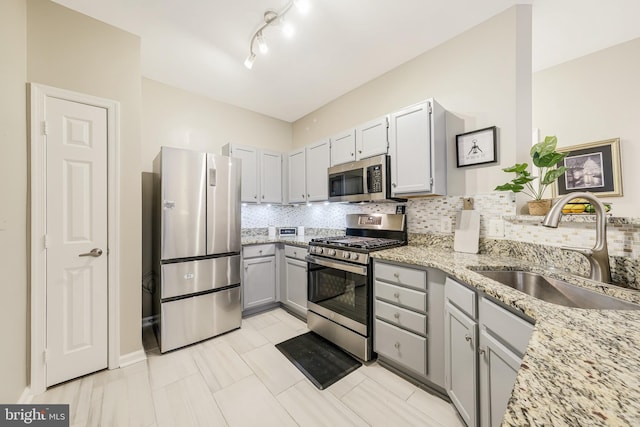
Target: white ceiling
200,45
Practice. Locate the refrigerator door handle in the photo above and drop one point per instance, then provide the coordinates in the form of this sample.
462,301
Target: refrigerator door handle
212,177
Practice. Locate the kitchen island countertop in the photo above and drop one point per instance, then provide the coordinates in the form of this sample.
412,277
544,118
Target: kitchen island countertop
582,366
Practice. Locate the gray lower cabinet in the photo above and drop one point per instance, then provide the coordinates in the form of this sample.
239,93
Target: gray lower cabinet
295,280
503,340
461,376
484,345
408,330
259,277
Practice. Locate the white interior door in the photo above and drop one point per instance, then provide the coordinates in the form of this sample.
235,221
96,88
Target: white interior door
76,240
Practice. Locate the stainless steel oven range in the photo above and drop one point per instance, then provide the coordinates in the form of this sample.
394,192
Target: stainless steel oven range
340,280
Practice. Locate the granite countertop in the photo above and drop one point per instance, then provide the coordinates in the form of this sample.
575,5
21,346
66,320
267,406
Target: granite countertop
302,241
582,366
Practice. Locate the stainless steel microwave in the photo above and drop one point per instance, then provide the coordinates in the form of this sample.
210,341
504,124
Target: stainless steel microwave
366,180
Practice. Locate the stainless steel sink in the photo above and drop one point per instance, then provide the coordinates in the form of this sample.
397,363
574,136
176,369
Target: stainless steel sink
556,291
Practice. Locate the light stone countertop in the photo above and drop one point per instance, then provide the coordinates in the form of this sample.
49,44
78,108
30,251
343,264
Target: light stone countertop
582,367
302,241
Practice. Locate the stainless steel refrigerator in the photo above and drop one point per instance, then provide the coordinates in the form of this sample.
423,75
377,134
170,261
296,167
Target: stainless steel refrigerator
196,246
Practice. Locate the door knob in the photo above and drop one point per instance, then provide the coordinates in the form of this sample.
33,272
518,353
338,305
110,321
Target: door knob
95,252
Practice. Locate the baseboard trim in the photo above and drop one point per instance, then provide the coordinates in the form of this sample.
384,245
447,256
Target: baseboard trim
25,397
131,358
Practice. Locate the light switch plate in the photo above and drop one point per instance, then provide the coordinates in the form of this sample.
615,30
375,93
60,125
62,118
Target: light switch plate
496,228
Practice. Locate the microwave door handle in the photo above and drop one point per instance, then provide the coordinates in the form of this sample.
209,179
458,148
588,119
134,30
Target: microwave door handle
368,186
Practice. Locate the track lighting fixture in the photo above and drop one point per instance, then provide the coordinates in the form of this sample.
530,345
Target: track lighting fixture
276,18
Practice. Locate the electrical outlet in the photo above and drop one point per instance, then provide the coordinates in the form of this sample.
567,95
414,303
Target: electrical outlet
445,225
496,228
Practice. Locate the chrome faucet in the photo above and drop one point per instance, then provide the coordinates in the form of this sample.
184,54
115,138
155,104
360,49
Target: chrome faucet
598,256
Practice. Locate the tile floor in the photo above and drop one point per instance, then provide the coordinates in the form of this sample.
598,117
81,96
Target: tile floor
241,379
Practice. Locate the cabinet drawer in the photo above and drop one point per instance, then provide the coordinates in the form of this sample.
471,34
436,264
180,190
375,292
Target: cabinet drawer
296,252
409,298
404,318
402,275
258,250
401,346
461,296
509,327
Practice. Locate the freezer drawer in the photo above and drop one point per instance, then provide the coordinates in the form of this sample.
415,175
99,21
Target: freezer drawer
183,278
194,319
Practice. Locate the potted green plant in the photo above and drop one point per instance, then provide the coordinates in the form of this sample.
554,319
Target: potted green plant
545,158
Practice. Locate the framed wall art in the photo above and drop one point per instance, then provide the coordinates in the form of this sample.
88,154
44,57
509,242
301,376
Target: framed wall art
593,167
476,147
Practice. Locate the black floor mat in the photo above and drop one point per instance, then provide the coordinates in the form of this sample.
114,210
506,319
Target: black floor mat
318,359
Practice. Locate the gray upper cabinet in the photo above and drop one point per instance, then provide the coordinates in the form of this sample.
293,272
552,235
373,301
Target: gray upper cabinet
417,145
261,173
318,161
372,138
343,147
270,177
296,165
307,173
250,186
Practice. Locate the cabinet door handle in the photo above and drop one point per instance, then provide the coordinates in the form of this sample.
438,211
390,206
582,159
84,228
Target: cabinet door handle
396,295
351,154
359,151
481,351
467,338
255,196
396,315
393,184
396,275
397,345
260,251
307,196
302,195
263,196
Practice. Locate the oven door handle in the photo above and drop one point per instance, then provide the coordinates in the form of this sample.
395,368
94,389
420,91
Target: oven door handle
338,265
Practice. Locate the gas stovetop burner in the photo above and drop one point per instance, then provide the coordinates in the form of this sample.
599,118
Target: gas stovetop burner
368,243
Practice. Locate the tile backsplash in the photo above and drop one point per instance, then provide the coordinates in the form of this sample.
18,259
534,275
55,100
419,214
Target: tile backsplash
425,216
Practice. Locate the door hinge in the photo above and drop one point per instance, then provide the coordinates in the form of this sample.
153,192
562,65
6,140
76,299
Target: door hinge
430,109
45,241
386,119
431,180
45,355
44,128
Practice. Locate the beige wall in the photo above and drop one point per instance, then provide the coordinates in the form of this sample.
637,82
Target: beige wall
72,51
13,205
482,76
594,98
176,118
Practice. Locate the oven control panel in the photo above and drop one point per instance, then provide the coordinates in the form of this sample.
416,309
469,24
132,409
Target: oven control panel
340,254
